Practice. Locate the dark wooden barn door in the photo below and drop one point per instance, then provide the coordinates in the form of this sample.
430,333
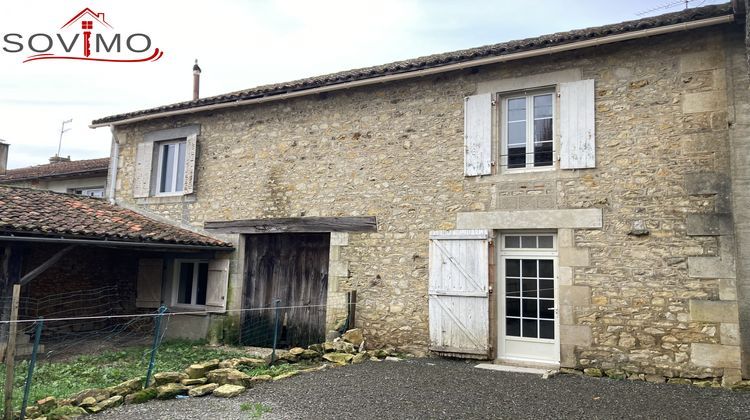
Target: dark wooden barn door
291,267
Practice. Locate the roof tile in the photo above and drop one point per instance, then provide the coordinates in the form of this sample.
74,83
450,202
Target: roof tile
25,211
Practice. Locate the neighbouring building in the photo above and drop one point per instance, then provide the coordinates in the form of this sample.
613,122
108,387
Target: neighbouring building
84,177
577,199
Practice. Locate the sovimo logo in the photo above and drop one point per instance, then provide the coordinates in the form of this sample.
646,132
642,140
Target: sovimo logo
86,36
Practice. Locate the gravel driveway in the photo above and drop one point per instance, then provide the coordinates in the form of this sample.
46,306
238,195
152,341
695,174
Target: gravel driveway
438,388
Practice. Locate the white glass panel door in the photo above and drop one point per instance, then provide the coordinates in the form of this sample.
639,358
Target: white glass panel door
527,304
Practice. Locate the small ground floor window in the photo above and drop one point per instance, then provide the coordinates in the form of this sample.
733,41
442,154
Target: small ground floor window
191,281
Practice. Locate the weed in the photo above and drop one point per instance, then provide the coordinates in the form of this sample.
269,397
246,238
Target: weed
255,410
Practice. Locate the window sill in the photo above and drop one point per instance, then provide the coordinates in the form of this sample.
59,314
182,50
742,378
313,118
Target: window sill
199,310
167,199
528,175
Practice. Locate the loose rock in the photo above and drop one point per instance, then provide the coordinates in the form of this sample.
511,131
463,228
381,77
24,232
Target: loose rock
353,336
229,376
163,378
202,390
169,391
340,358
228,391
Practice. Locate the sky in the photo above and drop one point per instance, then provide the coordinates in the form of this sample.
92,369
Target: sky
245,43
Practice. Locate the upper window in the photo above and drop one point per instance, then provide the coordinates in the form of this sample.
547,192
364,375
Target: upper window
526,137
170,177
191,281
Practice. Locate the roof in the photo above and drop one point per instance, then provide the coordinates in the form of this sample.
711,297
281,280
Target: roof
75,168
29,212
439,60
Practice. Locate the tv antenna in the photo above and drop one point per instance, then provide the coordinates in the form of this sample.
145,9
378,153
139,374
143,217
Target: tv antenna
670,5
62,131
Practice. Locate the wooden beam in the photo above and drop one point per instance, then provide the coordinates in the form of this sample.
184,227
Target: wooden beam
45,265
10,354
296,224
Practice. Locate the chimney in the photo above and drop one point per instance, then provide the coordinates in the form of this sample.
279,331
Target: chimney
58,159
196,80
3,156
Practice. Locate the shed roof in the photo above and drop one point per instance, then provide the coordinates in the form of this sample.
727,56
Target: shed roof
42,213
438,60
75,168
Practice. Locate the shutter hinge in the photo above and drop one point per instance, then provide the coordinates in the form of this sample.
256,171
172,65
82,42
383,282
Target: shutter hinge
558,94
494,102
490,290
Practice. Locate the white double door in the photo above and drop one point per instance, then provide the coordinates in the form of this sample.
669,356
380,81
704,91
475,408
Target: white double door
528,299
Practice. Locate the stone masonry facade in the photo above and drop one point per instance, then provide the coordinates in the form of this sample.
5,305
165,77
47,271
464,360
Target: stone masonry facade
651,290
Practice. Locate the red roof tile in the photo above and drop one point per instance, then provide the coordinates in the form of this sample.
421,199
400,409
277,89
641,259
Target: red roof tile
25,211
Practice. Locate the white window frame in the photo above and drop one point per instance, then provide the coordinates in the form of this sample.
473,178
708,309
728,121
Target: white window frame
176,283
159,157
503,129
528,253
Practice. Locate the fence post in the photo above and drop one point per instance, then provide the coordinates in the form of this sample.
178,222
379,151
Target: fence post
277,311
32,364
155,345
10,353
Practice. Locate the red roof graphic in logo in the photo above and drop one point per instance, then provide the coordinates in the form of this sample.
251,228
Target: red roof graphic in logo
87,13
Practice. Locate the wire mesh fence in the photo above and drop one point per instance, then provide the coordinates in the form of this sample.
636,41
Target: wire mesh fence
99,347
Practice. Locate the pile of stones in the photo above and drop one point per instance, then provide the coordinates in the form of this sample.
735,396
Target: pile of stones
222,379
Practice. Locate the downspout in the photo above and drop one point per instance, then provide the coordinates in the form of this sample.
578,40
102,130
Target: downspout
114,155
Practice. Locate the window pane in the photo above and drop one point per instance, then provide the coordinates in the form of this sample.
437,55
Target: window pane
516,157
512,268
545,241
529,328
513,327
512,286
543,154
546,289
528,242
167,167
529,287
547,329
512,241
529,308
545,308
517,133
180,167
512,307
200,295
543,106
529,268
542,130
517,109
546,269
185,287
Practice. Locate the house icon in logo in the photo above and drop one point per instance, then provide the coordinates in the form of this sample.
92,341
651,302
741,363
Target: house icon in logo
87,18
90,17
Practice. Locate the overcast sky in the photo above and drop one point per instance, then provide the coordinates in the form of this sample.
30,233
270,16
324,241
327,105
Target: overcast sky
241,44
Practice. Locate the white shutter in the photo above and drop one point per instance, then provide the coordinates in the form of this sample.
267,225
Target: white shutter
478,135
144,154
218,278
148,286
577,145
190,150
459,293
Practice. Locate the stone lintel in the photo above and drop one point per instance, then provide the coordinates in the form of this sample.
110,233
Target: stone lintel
531,219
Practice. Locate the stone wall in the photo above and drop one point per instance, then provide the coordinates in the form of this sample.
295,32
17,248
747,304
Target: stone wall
395,151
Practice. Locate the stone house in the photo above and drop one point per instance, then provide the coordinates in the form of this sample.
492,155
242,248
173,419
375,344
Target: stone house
577,199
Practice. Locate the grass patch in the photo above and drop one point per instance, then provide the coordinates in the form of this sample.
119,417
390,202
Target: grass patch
63,379
275,370
255,410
